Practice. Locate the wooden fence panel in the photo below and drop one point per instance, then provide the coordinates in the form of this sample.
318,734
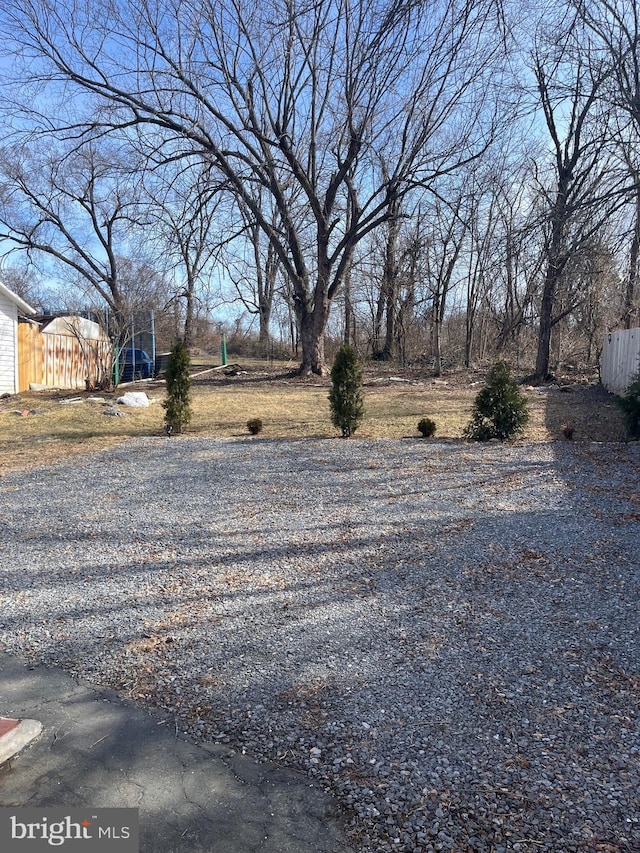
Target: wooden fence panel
620,359
59,361
30,356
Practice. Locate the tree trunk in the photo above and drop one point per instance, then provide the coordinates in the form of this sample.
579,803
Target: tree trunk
312,326
349,319
437,357
266,287
546,323
387,301
391,327
264,340
349,331
189,314
632,280
468,338
556,261
312,322
391,284
439,307
377,324
120,320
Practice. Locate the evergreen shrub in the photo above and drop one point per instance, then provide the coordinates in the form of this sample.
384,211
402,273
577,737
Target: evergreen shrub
427,427
345,397
500,409
178,403
254,426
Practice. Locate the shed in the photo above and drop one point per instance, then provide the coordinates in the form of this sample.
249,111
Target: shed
64,352
11,307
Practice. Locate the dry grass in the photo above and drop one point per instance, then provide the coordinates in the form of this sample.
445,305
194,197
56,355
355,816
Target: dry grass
289,408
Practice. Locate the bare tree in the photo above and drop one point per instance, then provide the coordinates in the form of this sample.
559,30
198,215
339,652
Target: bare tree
523,260
71,208
484,258
384,347
630,313
253,267
282,92
581,197
22,279
187,222
615,27
448,232
593,271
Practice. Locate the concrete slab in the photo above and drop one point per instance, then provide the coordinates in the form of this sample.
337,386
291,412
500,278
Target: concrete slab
15,735
96,750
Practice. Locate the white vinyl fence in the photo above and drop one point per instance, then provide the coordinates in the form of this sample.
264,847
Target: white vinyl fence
620,359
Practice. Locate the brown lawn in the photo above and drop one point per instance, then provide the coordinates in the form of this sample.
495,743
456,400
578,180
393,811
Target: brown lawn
44,427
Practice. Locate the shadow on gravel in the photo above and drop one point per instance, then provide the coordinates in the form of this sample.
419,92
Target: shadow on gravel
447,632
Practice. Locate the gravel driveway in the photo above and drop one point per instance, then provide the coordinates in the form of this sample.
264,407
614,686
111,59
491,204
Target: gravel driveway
445,635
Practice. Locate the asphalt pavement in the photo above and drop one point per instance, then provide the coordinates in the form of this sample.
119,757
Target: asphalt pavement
97,750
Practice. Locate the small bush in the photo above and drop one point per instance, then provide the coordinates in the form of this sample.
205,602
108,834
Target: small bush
427,427
630,405
499,410
178,403
345,397
254,426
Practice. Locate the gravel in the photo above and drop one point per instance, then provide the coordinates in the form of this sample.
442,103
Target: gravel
444,635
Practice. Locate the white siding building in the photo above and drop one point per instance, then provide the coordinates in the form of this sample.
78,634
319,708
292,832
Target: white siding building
10,306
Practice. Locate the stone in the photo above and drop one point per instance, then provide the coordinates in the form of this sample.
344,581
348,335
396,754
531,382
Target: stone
134,399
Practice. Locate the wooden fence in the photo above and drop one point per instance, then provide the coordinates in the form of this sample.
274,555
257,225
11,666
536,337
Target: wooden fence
620,359
60,361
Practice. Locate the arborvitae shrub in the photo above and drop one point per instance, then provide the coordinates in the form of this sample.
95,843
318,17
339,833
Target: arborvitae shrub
499,410
178,403
630,405
427,427
254,426
345,397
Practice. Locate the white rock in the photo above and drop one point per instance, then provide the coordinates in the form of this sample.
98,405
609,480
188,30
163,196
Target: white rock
135,399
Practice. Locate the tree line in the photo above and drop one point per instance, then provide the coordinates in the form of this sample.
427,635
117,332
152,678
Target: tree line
380,170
